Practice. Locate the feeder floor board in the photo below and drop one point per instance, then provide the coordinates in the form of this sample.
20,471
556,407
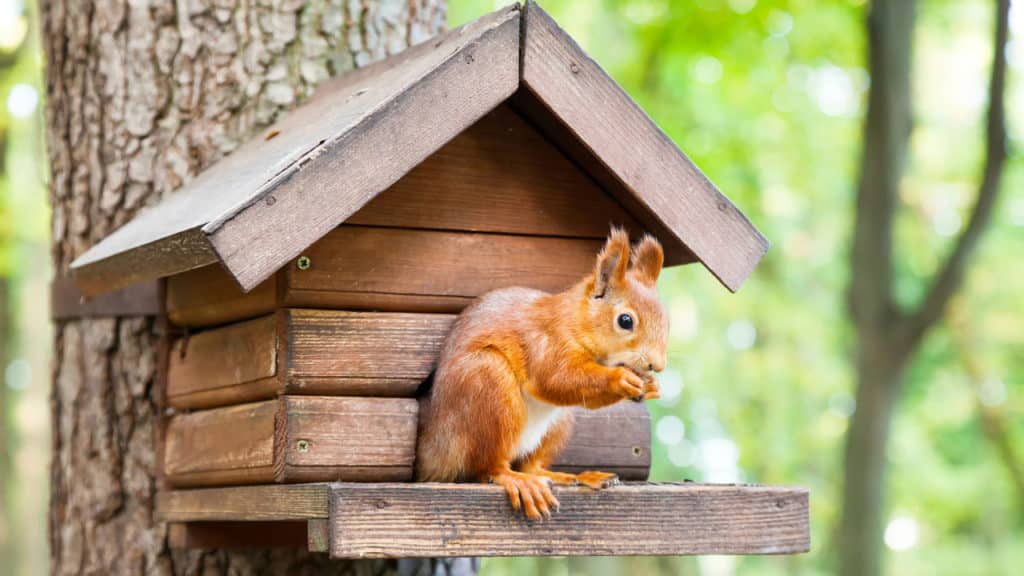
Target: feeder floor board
395,520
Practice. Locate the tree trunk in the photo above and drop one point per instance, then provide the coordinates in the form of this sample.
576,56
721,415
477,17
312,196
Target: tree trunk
880,355
878,377
887,336
141,96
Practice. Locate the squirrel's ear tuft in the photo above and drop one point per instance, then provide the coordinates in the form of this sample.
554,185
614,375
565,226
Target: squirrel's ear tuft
612,263
647,260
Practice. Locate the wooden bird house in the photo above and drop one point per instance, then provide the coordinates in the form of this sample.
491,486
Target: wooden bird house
312,275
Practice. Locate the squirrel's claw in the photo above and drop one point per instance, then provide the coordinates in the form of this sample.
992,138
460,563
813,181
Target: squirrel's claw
527,492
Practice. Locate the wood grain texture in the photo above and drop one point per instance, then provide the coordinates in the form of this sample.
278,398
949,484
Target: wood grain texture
392,124
209,296
500,175
221,446
601,115
355,386
318,535
614,439
251,391
340,345
546,122
439,263
362,439
293,439
378,301
312,352
216,535
273,502
224,359
398,520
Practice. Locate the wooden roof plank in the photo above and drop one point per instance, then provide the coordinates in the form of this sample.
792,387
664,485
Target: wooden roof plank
425,112
618,132
109,268
387,520
259,197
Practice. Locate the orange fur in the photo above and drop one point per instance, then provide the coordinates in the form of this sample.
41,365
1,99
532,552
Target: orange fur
516,357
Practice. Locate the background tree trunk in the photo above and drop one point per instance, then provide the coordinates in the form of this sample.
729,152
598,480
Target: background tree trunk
888,335
886,131
141,96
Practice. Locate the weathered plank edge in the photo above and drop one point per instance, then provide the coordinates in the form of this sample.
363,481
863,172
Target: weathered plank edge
748,245
181,252
445,520
244,503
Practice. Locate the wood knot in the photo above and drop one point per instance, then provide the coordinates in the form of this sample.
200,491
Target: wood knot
574,68
449,532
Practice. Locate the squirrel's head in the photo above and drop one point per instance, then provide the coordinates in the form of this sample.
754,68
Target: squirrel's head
622,318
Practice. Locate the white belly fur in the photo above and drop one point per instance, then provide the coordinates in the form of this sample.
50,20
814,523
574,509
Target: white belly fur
539,418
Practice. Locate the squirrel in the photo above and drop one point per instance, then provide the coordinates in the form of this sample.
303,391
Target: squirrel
517,358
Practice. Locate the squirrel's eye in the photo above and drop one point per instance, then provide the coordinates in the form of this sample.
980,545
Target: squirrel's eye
625,321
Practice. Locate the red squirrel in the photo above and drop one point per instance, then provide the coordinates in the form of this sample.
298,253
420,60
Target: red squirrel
516,358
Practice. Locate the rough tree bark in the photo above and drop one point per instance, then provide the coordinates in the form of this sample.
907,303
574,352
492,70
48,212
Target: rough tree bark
887,335
141,96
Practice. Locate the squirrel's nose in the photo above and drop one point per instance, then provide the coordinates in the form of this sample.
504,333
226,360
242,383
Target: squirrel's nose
657,364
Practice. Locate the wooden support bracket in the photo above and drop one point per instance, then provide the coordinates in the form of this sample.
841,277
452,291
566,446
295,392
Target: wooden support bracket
68,302
393,520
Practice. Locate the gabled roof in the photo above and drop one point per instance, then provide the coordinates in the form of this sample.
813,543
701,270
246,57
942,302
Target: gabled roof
276,195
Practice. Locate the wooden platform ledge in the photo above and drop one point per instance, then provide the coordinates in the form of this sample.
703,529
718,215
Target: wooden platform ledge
386,520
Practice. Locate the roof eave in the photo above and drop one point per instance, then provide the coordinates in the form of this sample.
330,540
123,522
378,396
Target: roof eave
603,118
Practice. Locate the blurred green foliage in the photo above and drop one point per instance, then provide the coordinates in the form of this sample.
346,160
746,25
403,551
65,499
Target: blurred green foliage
767,97
25,339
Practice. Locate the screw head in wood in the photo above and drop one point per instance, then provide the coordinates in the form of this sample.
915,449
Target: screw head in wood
303,263
302,446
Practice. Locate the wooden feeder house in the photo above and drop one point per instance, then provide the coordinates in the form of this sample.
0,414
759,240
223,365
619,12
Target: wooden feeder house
309,279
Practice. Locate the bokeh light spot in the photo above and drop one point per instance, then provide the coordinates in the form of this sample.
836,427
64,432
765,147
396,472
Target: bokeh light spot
22,100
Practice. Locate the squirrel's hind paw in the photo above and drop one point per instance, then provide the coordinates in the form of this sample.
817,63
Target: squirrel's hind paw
528,492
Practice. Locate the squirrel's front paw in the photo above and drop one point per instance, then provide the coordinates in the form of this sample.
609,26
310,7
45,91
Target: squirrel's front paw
626,384
652,391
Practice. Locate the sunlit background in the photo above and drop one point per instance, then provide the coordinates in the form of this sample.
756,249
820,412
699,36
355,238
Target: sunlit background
768,98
